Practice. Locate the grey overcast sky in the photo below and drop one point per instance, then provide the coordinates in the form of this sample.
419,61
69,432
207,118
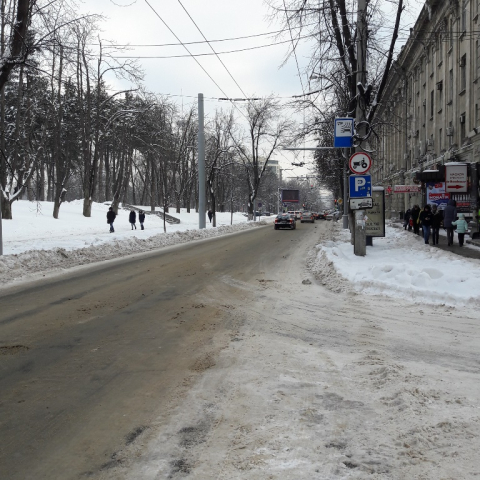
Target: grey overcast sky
257,71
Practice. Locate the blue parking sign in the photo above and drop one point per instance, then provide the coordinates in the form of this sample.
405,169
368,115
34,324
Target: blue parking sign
360,186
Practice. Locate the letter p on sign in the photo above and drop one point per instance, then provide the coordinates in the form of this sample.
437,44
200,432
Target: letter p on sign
359,183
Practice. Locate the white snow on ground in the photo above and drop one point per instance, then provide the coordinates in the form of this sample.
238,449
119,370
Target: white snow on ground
397,265
34,242
400,265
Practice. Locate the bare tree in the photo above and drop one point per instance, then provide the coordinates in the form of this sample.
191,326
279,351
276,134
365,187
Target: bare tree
331,89
267,131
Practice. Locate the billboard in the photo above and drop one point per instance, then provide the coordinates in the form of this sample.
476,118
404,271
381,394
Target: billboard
435,192
290,196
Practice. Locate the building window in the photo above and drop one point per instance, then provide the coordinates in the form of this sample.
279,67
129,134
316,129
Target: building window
450,86
476,114
439,96
451,32
450,135
440,48
440,140
477,60
462,127
463,73
464,16
432,109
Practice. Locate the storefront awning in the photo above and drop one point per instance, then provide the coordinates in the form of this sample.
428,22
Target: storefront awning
431,175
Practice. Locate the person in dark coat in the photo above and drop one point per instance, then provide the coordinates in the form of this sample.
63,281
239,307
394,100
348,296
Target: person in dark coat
132,218
449,216
406,219
437,219
415,214
425,219
141,218
210,215
111,215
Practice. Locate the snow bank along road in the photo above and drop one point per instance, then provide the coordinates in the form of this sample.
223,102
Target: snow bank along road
241,357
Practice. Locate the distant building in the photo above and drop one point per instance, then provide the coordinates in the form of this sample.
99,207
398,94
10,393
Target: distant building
272,166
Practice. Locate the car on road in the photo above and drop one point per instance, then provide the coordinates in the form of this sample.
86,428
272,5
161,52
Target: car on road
307,217
285,220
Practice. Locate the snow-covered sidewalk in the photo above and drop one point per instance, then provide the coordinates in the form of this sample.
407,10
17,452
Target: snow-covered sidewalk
402,266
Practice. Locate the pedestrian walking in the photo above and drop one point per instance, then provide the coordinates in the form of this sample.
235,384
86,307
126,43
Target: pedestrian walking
406,219
437,219
111,215
210,215
132,218
141,218
462,228
415,214
425,220
449,216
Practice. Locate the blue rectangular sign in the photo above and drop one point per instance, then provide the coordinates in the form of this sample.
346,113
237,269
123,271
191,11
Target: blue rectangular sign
343,132
360,186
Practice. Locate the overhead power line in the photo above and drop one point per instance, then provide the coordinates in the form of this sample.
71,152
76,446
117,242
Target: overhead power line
209,54
201,42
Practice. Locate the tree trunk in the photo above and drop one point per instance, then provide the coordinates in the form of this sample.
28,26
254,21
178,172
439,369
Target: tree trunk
6,209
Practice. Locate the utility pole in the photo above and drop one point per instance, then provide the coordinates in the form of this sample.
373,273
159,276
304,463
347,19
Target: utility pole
1,238
201,164
360,239
345,188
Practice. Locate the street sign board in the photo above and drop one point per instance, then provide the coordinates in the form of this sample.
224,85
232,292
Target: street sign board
360,163
456,177
343,132
375,224
360,186
360,203
406,189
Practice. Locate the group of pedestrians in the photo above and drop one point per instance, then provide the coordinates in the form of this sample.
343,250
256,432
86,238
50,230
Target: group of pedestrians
132,218
431,219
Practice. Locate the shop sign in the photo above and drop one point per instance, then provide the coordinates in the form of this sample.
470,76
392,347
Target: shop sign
406,189
456,178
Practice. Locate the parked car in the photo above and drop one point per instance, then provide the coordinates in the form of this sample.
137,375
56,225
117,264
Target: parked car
285,220
307,217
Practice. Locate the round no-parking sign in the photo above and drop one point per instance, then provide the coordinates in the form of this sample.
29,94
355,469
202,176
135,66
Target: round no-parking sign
360,163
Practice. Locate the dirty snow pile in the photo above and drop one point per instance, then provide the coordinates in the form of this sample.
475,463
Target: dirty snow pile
402,265
34,242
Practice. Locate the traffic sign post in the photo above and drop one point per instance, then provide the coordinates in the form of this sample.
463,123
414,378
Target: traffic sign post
360,203
343,132
360,186
360,163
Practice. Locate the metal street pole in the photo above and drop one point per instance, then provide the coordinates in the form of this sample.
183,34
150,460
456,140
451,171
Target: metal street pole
201,165
1,237
345,189
360,239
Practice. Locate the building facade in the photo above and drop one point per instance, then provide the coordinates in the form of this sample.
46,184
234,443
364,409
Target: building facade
429,114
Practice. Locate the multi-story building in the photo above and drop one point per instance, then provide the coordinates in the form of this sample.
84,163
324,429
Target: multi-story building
429,114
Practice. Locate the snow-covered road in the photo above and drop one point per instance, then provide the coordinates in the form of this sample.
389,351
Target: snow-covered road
323,383
337,366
